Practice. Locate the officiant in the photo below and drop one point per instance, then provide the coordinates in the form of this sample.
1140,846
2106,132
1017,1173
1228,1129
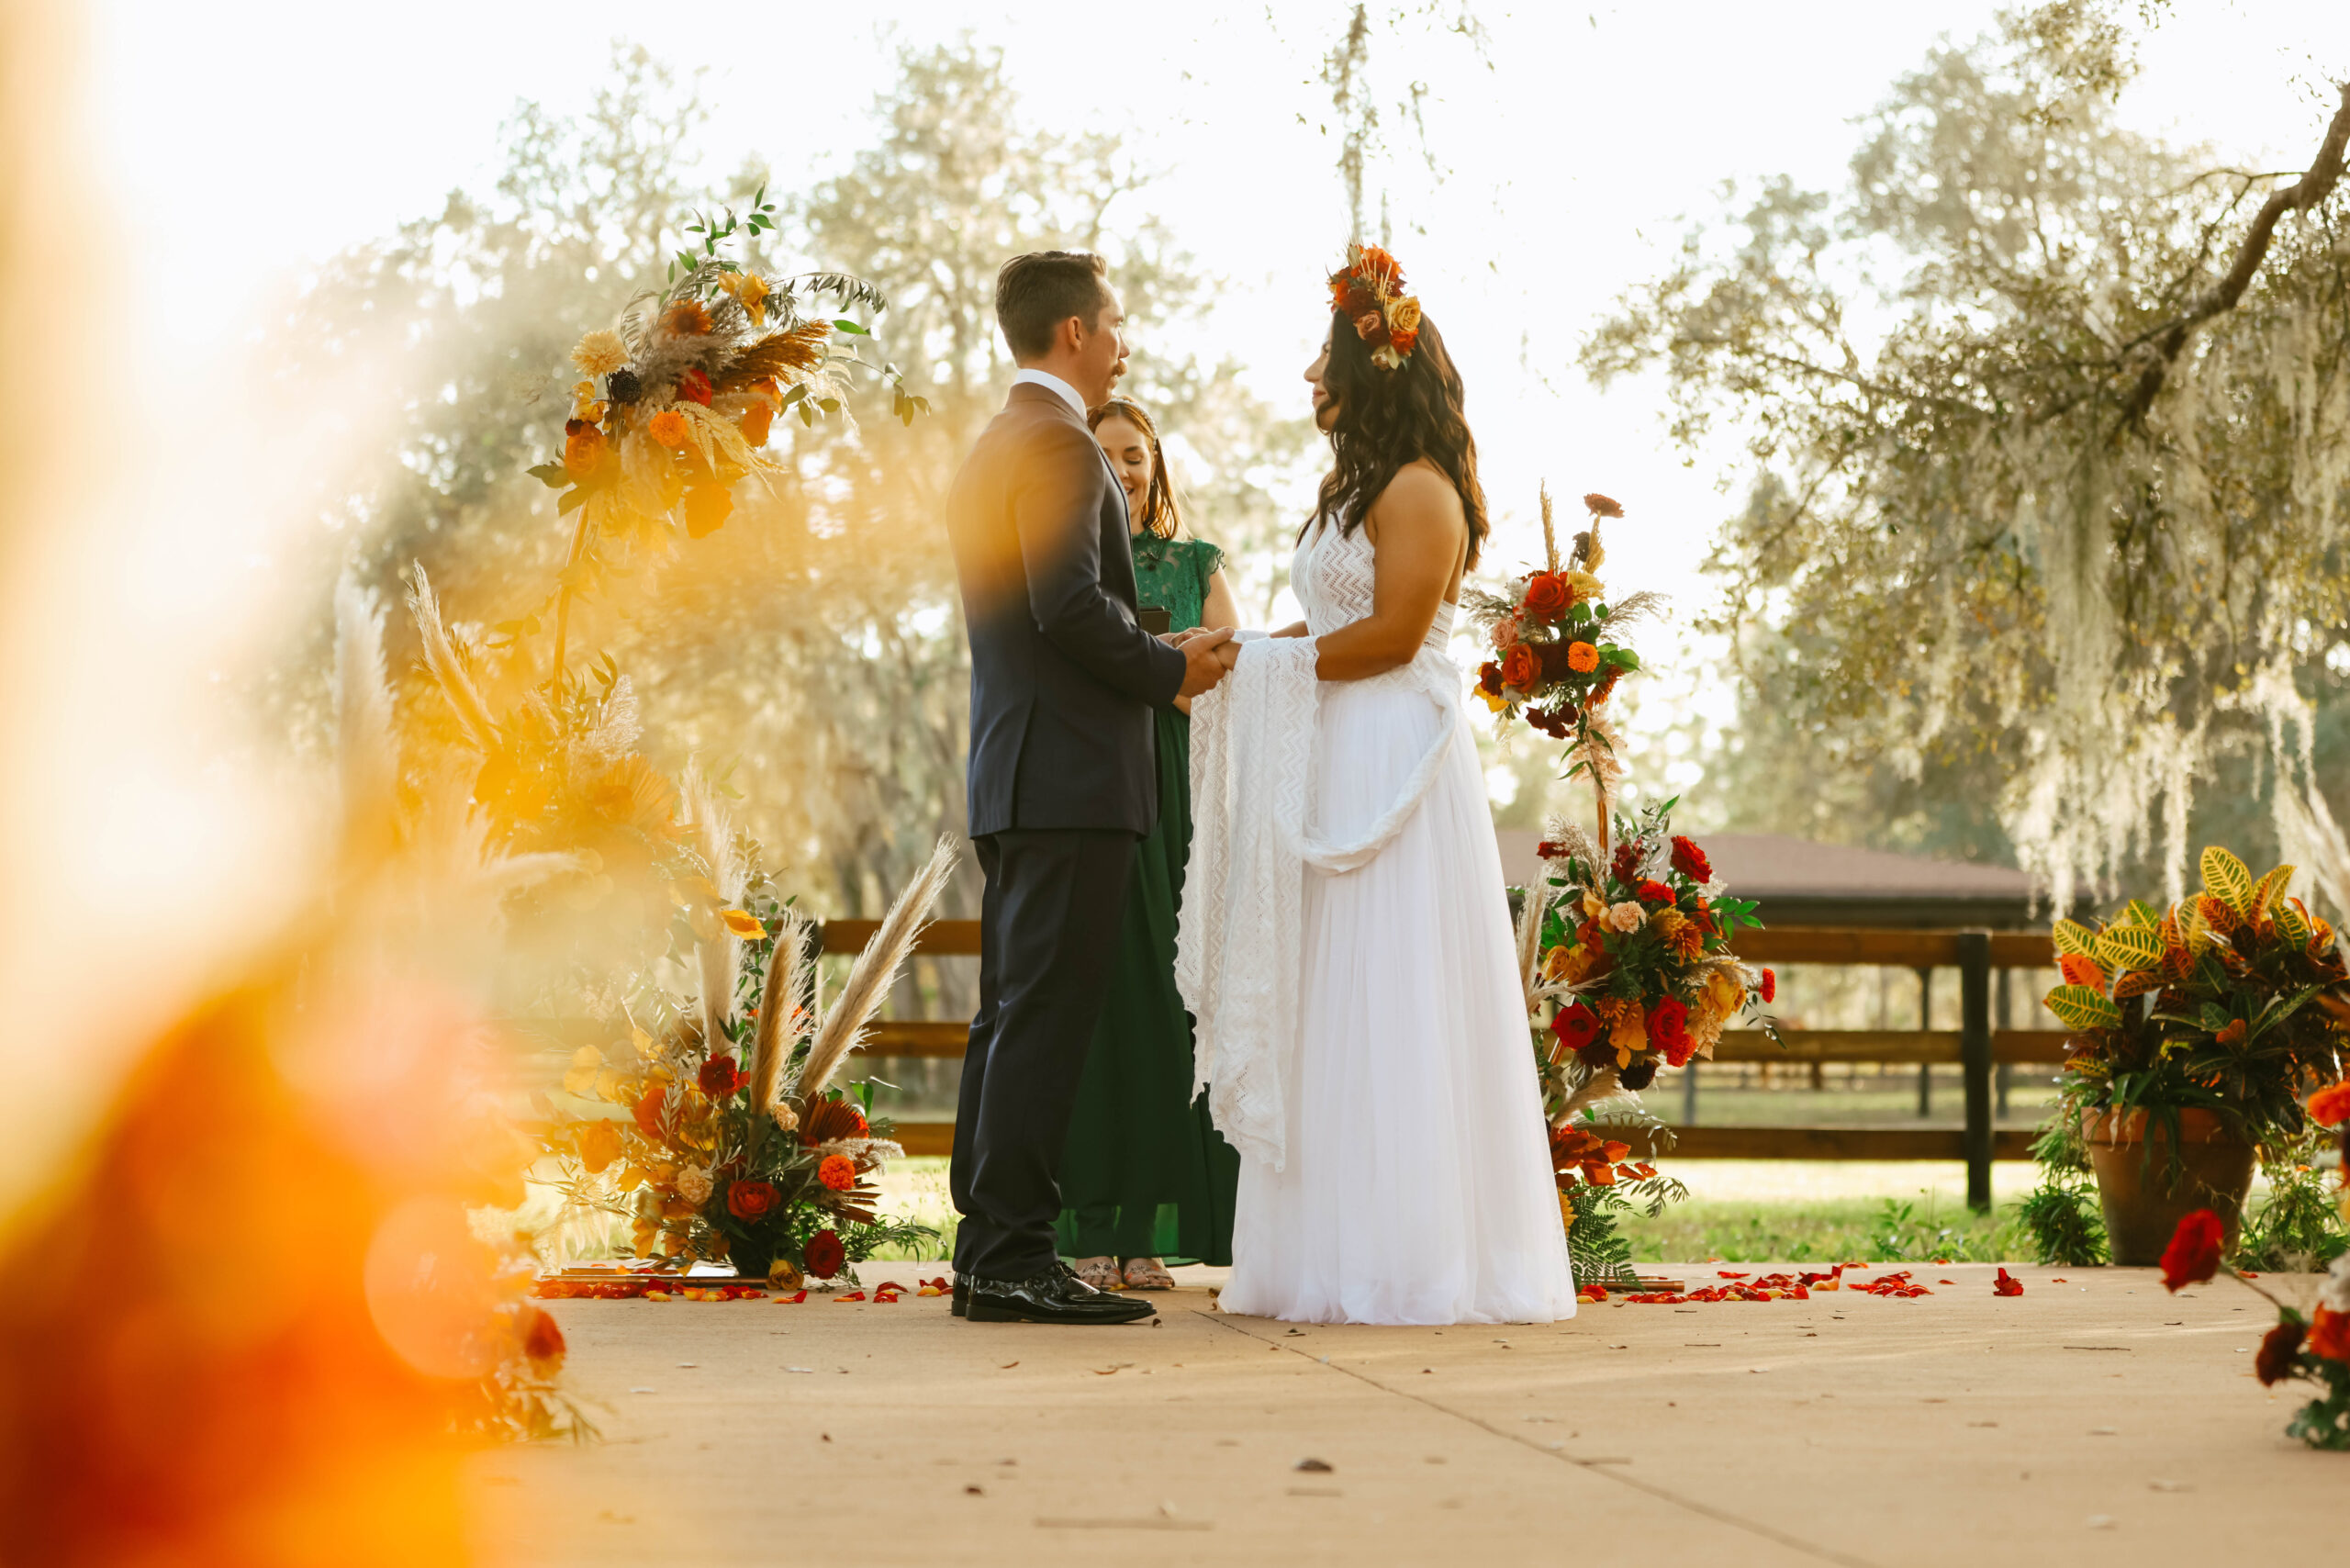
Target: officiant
1144,1176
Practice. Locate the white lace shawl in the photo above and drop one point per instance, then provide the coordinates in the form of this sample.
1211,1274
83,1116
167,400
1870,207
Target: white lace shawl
1240,937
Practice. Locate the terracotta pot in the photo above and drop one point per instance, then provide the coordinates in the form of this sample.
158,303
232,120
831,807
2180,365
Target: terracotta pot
2132,1159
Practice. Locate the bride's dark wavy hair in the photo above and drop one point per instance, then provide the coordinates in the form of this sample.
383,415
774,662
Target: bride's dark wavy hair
1388,418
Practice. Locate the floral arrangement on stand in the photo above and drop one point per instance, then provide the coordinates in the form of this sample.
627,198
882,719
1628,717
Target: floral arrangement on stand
2231,1005
1625,939
678,399
725,1139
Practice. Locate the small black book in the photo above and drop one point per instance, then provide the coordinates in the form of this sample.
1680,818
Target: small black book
1155,619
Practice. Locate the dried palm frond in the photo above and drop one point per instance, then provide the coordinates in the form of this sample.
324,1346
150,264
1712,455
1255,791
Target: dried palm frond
786,356
715,437
450,666
782,1023
368,755
614,733
876,967
719,957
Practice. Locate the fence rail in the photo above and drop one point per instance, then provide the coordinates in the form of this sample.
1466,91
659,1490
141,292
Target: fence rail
1975,1045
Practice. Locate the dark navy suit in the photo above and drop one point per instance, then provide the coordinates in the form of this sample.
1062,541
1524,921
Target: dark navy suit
1063,780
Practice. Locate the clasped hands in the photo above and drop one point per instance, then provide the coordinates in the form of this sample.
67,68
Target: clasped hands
1209,653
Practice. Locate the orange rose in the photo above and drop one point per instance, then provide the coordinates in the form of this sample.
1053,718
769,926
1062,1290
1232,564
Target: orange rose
668,428
2330,1105
1521,668
599,1145
648,1110
1582,659
707,508
755,423
1546,595
1370,326
583,447
2329,1335
838,1171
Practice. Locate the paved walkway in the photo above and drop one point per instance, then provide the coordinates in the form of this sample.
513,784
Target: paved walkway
2095,1421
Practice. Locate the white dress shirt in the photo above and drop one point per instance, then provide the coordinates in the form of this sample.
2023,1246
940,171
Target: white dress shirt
1053,384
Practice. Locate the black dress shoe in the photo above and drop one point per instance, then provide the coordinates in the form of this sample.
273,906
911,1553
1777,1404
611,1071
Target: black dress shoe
1057,1297
962,1298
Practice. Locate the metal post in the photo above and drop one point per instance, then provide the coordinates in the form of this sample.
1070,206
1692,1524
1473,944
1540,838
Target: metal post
1689,1093
1974,1054
1925,1020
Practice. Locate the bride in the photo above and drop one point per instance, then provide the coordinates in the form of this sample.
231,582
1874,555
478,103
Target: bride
1345,941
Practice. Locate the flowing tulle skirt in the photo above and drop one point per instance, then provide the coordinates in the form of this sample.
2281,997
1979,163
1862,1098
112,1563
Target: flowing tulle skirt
1418,1186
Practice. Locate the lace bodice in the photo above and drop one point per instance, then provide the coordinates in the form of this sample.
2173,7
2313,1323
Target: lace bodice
1333,575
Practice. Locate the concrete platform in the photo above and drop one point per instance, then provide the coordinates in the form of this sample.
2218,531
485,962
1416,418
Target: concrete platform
2092,1421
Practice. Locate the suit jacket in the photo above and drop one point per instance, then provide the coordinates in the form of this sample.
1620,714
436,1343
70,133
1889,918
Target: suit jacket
1063,678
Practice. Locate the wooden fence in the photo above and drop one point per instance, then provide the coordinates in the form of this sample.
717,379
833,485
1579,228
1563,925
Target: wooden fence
1975,1044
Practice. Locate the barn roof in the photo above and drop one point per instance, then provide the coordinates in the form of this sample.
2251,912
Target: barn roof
1801,883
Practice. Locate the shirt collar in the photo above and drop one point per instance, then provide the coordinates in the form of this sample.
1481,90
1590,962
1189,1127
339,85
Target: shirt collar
1053,384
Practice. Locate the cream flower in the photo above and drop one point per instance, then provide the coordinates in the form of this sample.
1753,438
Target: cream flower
600,353
1626,916
693,1185
1403,315
1587,588
1504,633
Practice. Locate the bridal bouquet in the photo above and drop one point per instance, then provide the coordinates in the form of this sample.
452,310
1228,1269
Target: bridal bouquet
1633,949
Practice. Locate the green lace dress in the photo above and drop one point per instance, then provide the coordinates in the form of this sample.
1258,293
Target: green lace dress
1144,1174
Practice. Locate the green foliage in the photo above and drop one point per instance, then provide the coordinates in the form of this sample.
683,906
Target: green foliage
2028,554
1600,1252
2299,1228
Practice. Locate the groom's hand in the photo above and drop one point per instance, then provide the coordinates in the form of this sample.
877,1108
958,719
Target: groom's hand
1201,666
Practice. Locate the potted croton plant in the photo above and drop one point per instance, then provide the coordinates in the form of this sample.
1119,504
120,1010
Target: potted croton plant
2196,1032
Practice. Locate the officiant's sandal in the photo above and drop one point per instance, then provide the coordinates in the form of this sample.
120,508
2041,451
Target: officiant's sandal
1146,1274
1102,1273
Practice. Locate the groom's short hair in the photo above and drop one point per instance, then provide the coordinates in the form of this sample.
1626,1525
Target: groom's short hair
1036,293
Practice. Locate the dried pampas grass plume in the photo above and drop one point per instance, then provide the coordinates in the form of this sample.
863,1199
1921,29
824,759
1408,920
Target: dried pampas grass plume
869,978
1529,932
721,956
782,1021
367,754
449,666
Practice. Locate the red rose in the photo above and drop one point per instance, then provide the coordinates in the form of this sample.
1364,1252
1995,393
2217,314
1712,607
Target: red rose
750,1200
824,1255
694,388
1546,595
1521,668
1769,989
2193,1255
2277,1350
1577,1026
1653,891
542,1338
1627,863
1668,1027
1690,860
719,1077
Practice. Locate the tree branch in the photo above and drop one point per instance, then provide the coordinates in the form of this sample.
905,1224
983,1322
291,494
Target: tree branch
2315,185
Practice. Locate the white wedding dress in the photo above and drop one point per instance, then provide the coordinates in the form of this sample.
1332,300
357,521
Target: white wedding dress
1346,948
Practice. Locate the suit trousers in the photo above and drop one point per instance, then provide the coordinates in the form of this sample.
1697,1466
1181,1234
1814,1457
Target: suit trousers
1049,935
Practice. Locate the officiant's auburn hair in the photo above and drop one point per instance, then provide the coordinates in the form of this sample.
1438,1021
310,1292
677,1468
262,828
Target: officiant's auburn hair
1036,293
1388,418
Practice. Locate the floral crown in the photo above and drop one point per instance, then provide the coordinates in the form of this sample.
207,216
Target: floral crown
1368,291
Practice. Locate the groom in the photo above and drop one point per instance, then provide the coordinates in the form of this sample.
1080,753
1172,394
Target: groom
1063,774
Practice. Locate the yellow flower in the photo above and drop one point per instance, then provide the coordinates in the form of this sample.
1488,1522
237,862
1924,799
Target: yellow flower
580,1079
599,1145
1495,701
1403,315
752,290
742,924
600,353
1587,588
